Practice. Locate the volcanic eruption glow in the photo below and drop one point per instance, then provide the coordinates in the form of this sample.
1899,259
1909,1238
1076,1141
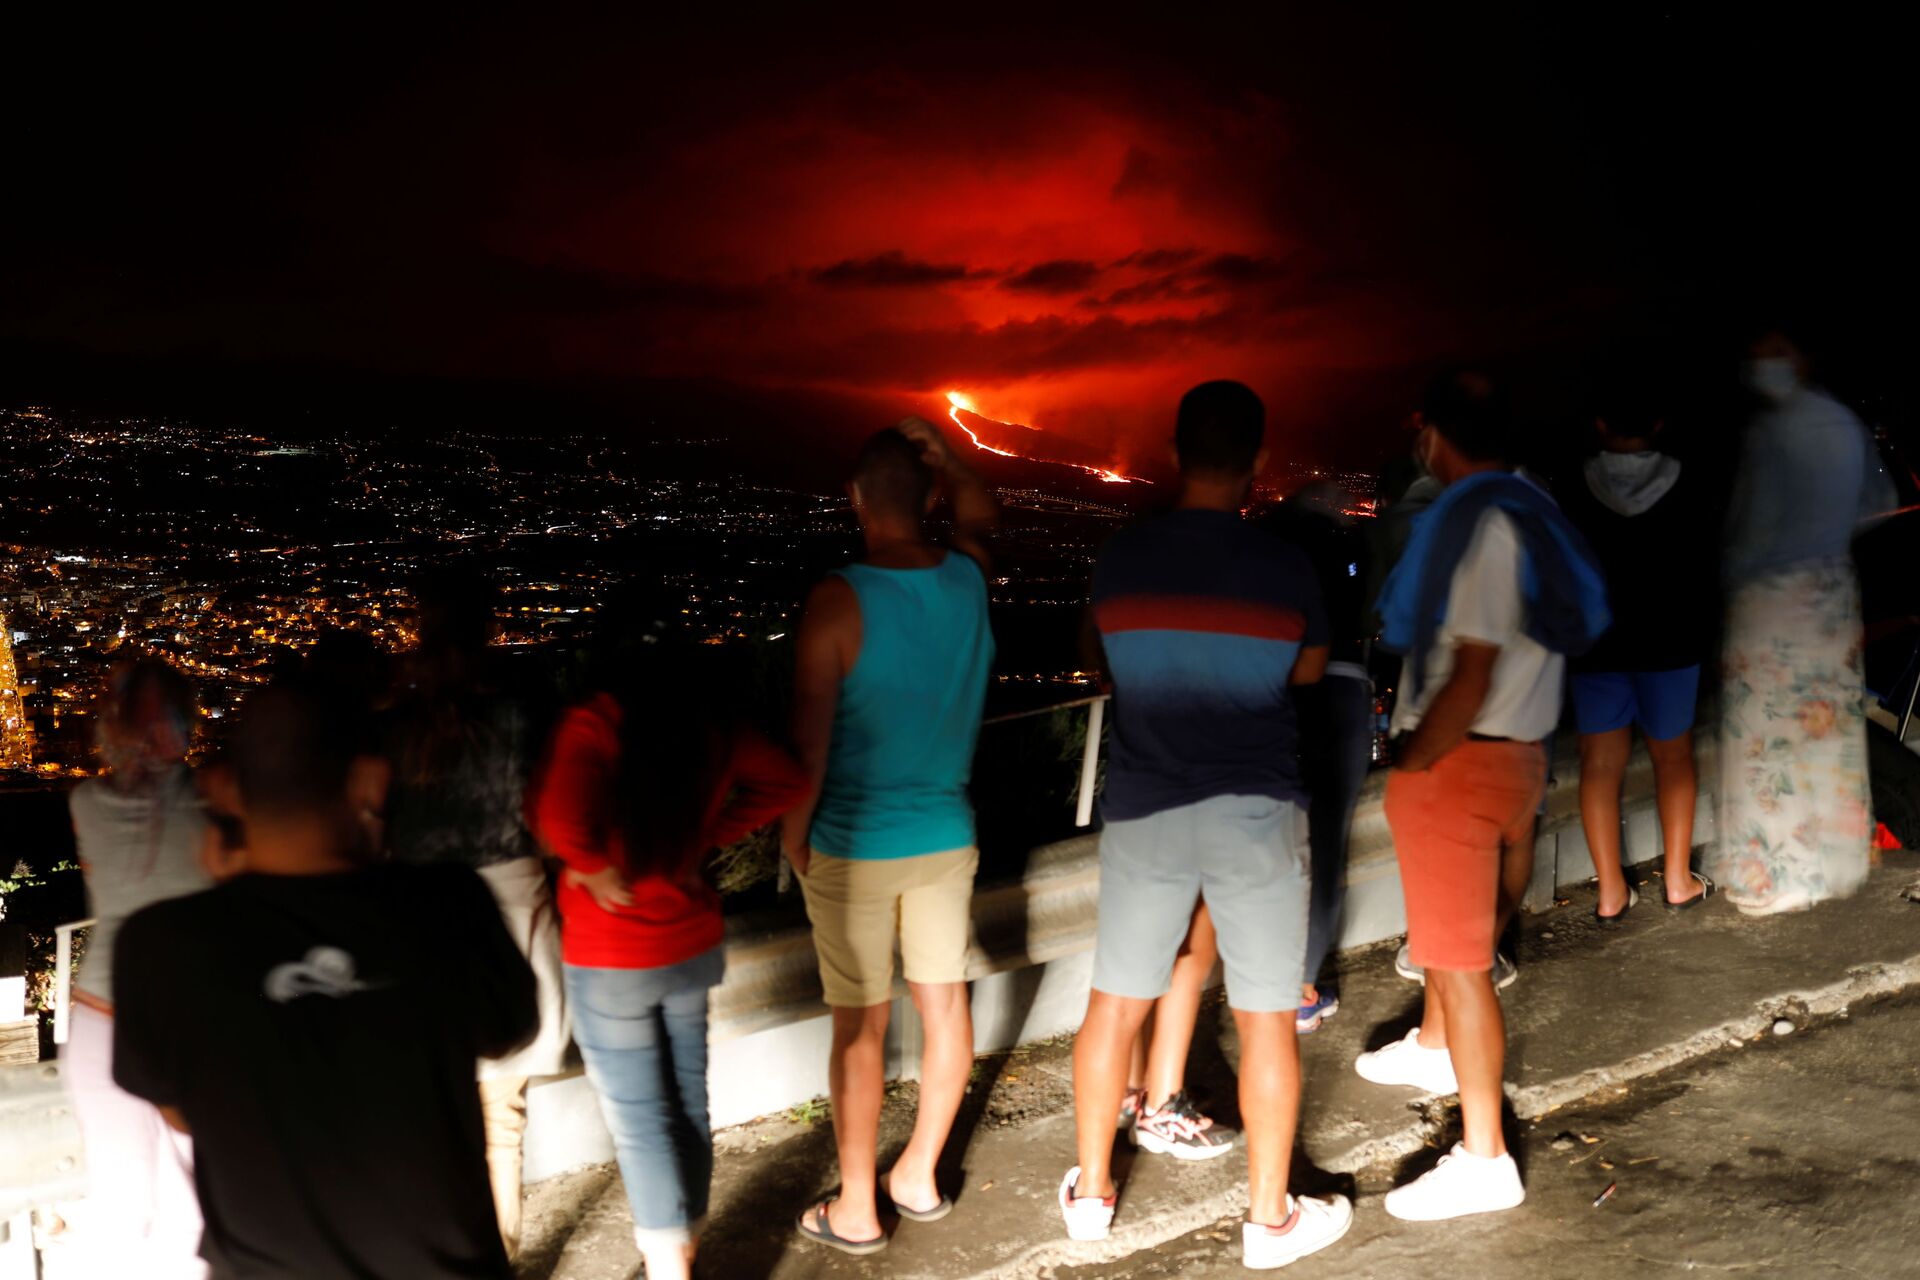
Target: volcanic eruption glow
957,401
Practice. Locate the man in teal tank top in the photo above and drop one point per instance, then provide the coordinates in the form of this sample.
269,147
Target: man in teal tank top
890,676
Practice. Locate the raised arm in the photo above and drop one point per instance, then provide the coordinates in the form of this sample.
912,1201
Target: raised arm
975,511
829,639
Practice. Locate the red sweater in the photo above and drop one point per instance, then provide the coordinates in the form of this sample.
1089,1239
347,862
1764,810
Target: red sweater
572,809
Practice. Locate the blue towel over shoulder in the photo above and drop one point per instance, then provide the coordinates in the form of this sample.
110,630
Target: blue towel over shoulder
1566,596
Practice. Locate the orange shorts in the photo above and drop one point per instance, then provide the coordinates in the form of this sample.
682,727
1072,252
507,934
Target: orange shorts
1449,826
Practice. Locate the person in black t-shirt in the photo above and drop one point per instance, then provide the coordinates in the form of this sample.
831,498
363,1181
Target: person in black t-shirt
313,1023
1651,523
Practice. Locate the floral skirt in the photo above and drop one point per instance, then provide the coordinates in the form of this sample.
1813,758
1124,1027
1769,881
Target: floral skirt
1795,817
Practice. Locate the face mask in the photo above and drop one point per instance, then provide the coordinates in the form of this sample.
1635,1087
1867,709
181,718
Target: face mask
1772,377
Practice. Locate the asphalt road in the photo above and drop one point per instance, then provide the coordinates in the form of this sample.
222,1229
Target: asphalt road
1794,1155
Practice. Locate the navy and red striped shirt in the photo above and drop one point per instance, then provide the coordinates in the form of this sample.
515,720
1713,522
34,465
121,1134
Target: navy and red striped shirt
1202,616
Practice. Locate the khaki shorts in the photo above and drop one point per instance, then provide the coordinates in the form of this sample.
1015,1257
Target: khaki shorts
859,905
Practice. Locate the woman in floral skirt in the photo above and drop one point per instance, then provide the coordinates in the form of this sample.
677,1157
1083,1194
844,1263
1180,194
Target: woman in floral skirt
1795,820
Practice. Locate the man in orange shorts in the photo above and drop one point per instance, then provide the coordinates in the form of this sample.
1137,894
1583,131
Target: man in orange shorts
1494,591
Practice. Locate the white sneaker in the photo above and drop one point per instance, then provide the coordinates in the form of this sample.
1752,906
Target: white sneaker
1462,1183
1318,1221
1504,970
1087,1217
1404,966
1406,1061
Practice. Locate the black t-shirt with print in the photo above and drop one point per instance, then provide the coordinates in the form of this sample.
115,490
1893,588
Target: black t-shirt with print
318,1034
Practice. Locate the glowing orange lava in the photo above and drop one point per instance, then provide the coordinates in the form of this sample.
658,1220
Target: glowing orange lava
958,401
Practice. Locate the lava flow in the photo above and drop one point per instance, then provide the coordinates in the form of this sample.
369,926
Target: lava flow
958,401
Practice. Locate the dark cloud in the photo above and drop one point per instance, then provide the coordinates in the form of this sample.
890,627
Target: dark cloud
1220,273
1240,268
890,270
1062,275
1164,288
1158,259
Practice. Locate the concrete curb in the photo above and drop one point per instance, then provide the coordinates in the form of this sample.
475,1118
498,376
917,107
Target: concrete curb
1865,982
1145,1231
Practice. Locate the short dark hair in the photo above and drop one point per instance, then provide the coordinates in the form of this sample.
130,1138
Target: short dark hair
892,474
1220,428
1633,395
1470,410
293,749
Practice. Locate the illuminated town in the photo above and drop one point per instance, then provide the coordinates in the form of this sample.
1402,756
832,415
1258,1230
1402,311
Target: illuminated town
225,550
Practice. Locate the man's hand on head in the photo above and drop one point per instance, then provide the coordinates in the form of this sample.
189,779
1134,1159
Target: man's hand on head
934,448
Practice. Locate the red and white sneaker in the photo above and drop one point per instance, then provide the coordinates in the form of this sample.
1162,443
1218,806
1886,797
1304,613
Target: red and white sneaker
1087,1217
1132,1103
1178,1129
1315,1223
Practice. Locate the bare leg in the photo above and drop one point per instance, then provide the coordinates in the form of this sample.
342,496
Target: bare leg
1433,1019
1603,766
856,1081
1099,1078
1176,1013
1270,1108
503,1112
1516,873
1137,1056
945,1065
1477,1040
1675,784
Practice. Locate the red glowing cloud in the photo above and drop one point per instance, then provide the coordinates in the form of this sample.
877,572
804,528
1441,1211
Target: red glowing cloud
1070,261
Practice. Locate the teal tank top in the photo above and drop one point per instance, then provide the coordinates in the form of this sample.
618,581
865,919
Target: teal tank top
909,714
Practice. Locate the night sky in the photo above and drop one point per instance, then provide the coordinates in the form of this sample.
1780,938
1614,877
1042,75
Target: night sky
1069,220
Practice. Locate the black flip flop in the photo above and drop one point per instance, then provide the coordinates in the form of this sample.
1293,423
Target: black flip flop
1613,921
934,1214
825,1234
1706,891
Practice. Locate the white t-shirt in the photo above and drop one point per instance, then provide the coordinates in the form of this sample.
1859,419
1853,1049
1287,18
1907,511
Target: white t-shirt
1485,605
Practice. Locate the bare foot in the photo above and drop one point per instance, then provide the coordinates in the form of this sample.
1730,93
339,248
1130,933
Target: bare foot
920,1195
845,1223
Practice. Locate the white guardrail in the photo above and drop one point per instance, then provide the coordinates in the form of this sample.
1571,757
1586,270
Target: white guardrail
1089,754
63,976
1083,817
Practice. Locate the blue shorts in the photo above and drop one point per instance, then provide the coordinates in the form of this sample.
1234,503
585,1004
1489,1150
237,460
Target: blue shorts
1247,856
1661,702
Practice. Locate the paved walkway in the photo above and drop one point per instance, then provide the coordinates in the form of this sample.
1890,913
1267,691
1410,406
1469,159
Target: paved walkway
1792,1158
1592,1013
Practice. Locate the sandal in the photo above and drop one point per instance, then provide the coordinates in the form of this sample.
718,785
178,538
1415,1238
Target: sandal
1706,891
823,1233
1613,921
934,1214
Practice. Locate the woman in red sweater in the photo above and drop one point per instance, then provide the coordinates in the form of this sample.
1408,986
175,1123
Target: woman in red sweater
636,789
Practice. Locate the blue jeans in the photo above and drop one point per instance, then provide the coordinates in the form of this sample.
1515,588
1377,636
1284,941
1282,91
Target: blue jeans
1335,769
643,1034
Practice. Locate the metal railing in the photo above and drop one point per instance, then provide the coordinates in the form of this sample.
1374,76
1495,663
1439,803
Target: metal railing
1096,706
63,976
